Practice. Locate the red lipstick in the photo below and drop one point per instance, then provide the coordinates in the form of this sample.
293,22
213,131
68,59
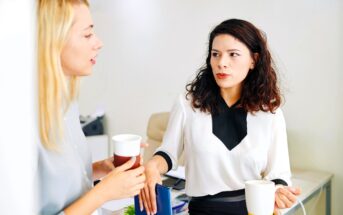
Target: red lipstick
222,75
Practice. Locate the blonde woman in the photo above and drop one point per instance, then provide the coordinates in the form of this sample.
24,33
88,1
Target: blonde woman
67,49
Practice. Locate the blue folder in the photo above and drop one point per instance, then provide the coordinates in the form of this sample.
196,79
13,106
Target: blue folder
163,200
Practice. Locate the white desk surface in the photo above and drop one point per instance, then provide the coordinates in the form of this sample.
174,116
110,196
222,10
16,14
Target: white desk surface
309,181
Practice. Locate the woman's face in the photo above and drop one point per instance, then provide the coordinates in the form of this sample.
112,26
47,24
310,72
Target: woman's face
82,46
231,61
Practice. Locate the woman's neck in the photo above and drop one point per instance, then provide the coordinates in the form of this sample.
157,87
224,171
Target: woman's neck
231,95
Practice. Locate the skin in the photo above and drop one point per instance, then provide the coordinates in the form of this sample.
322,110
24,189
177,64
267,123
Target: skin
78,57
233,60
230,57
82,46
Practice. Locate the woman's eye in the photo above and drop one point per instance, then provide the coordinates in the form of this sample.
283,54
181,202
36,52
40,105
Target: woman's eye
215,54
88,36
234,54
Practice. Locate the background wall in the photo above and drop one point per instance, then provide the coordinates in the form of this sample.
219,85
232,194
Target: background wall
17,107
154,47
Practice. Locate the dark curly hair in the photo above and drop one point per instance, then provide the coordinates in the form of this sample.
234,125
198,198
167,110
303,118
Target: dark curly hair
260,91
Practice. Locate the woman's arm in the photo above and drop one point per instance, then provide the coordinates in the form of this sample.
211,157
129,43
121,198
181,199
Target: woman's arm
278,166
119,183
166,157
153,170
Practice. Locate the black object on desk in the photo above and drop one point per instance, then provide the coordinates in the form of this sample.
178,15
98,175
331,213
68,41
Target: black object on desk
174,183
92,126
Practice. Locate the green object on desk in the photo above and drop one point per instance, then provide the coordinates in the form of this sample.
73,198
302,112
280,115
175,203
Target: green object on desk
130,210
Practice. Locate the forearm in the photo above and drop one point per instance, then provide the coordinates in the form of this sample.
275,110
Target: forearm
87,204
159,163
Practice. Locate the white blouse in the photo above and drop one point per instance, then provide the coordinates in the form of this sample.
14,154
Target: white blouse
210,166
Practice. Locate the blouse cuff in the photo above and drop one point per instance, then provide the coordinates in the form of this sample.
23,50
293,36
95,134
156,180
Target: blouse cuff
279,181
167,158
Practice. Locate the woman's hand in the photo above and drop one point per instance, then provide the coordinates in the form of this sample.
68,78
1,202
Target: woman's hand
147,196
121,182
285,197
102,168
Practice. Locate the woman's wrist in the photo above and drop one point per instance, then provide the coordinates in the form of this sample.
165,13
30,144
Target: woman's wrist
98,191
157,162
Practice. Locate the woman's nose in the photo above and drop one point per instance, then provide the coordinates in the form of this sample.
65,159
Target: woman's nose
99,44
223,63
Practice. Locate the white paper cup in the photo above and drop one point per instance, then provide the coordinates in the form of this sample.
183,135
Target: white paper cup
126,146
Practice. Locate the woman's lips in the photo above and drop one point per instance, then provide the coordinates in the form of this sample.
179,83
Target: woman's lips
222,75
93,61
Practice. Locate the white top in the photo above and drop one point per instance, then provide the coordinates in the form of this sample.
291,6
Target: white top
210,167
64,175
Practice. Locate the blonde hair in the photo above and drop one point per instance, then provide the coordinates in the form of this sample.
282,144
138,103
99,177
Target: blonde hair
55,19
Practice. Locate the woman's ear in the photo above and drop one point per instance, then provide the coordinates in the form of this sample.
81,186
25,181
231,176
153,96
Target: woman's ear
255,59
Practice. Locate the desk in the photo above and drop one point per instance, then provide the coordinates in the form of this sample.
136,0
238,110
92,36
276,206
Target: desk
310,182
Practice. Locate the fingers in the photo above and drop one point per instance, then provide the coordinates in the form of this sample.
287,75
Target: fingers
127,165
140,201
284,198
279,202
137,171
152,193
137,188
289,195
294,190
144,145
146,200
109,163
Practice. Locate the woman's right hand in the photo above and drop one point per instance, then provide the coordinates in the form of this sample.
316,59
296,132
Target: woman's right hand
121,182
147,196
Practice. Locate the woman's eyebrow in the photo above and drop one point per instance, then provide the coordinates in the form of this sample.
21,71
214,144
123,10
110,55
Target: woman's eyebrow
230,50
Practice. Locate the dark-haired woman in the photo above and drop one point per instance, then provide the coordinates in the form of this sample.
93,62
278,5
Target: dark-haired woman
229,125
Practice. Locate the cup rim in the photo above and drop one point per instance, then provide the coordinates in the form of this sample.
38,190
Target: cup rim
259,182
126,137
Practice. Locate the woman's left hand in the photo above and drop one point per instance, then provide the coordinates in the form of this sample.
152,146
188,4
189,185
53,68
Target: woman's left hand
285,197
103,167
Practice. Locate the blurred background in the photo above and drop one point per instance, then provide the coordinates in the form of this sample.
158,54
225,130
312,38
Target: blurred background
152,48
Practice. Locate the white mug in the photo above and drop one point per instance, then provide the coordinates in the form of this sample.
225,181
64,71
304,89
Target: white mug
260,197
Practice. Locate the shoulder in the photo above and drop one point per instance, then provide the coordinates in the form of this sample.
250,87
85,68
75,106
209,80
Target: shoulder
182,101
276,113
268,117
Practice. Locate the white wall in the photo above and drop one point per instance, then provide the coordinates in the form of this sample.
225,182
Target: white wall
17,107
153,47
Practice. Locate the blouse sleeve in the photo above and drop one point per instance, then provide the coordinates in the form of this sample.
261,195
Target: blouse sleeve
172,144
278,166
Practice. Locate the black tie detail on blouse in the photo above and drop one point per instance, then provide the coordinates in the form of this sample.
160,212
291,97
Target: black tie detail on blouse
230,124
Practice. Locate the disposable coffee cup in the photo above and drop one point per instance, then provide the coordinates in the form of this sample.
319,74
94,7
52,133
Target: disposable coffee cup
260,197
126,147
